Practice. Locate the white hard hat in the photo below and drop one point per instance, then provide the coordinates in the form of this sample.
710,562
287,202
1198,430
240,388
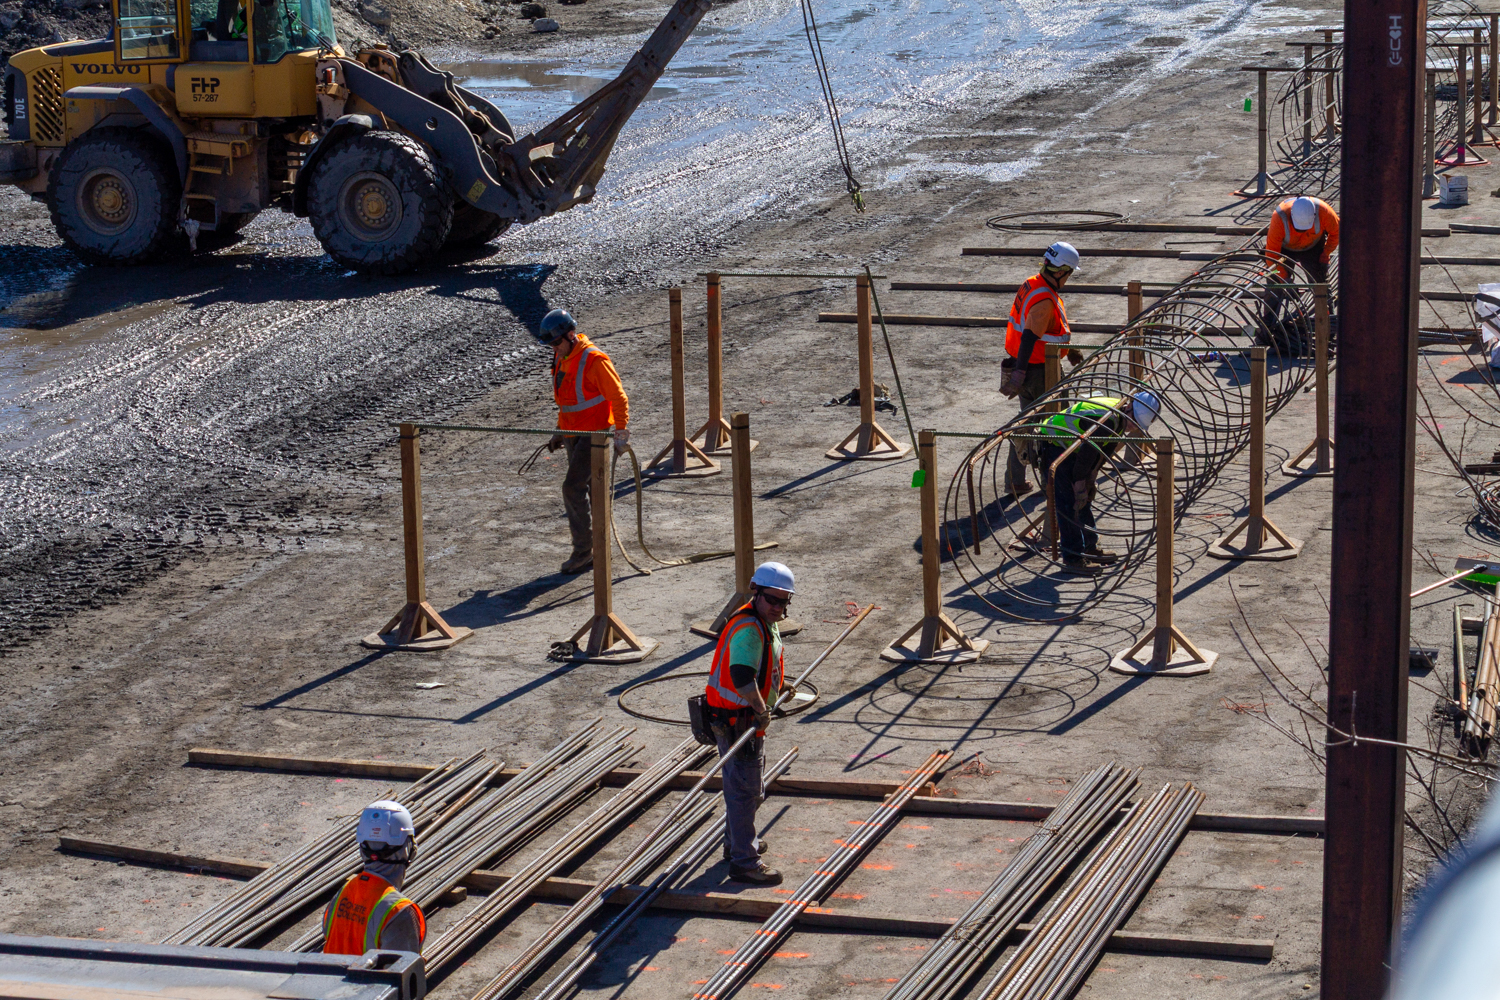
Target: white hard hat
773,574
1304,213
385,824
1062,255
1144,409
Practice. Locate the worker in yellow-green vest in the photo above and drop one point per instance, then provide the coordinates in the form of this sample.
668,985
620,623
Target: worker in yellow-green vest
370,912
746,680
1108,418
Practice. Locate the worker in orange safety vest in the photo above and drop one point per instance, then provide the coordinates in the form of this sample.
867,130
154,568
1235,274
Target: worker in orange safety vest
748,679
370,912
590,397
1305,231
1037,318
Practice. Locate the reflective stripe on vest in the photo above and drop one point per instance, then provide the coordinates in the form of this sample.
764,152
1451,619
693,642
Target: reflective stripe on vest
1068,423
1057,332
720,690
583,402
358,916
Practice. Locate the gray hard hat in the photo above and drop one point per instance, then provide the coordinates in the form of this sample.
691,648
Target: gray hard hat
556,325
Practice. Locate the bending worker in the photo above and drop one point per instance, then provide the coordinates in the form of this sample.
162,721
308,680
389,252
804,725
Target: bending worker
745,682
589,398
369,912
1305,230
1074,479
1037,318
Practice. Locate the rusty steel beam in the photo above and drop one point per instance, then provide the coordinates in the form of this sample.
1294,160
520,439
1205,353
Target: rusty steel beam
1384,62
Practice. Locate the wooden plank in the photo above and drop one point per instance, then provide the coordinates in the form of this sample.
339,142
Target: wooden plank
616,778
900,319
711,903
1464,227
1030,811
1090,253
237,867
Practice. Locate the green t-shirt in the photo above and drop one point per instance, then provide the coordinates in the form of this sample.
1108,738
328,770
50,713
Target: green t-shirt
748,648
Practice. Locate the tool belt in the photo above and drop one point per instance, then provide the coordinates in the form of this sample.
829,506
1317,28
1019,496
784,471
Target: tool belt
708,722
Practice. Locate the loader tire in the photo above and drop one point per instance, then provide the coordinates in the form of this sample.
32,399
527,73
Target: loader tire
379,204
473,227
114,196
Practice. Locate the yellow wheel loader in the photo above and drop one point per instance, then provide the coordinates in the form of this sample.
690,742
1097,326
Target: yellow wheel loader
194,115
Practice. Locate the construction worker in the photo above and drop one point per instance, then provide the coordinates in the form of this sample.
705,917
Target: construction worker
1074,479
369,912
1304,231
589,398
1037,318
745,682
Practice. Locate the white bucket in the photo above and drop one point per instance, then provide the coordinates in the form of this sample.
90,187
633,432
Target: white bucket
1453,190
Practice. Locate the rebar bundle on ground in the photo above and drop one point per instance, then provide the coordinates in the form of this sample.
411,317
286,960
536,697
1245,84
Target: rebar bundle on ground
754,951
680,871
1188,349
1069,936
461,823
949,966
651,782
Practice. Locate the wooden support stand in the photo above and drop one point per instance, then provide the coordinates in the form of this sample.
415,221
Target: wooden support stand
1263,185
1429,138
1172,653
869,441
744,535
1322,445
713,436
610,640
1257,528
687,460
941,641
1462,152
417,627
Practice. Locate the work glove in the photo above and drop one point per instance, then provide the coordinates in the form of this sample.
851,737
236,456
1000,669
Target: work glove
1075,357
762,722
1081,497
555,442
622,440
1011,386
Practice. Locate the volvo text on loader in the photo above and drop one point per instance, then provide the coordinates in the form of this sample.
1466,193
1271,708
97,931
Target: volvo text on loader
194,115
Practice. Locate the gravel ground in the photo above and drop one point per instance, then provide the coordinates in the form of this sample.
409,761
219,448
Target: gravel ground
200,517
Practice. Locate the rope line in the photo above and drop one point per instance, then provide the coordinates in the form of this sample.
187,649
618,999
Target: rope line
820,63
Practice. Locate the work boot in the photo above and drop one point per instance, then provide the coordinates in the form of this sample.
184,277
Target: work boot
759,875
760,847
1080,567
1021,489
1100,556
578,562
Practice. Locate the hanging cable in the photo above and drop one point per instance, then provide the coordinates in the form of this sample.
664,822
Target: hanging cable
815,43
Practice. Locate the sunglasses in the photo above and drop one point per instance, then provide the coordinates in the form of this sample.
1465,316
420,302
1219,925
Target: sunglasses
777,602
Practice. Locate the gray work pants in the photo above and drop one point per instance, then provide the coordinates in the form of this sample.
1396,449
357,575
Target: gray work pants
742,795
1031,389
575,492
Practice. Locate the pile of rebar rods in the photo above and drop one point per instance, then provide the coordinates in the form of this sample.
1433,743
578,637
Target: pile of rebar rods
675,875
1070,934
461,823
483,829
737,967
947,969
651,782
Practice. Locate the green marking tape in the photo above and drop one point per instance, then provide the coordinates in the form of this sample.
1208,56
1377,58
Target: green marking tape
918,479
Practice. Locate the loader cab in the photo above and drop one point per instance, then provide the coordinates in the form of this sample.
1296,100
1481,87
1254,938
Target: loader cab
228,58
166,31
